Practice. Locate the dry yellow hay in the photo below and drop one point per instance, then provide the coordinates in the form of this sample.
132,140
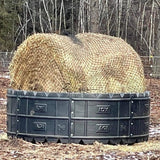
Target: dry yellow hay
89,62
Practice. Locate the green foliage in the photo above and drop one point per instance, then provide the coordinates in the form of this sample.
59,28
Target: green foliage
8,23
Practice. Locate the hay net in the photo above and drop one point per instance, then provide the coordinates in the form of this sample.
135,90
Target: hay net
89,62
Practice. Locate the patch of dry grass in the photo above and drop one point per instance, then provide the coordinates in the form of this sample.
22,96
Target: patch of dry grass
18,149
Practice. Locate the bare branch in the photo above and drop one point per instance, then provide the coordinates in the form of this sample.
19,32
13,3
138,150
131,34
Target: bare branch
72,30
48,16
118,16
143,14
64,19
158,3
31,16
60,18
107,15
55,15
21,29
139,11
40,17
127,16
151,25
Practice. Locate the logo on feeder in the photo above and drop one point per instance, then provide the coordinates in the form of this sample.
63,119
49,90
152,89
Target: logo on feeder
103,109
40,108
39,126
61,127
123,128
103,128
146,110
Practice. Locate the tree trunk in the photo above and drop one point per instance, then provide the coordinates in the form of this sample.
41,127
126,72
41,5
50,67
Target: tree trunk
94,4
158,39
33,16
156,69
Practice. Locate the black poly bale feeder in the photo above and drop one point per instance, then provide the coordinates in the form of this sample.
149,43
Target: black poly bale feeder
60,85
78,117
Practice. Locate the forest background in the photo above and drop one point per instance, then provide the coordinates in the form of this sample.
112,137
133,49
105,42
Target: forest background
135,21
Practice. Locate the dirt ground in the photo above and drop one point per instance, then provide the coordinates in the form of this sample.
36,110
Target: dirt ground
19,149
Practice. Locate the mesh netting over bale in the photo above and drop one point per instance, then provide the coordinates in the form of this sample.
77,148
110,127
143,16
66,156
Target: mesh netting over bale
89,62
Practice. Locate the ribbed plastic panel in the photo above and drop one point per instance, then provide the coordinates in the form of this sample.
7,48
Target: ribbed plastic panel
78,117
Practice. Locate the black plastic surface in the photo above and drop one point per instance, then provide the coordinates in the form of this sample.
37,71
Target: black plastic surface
78,117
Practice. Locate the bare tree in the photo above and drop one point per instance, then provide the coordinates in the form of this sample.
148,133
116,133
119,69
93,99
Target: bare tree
62,11
48,16
56,16
107,17
94,14
118,16
40,17
142,19
132,20
139,16
31,14
81,22
156,66
127,16
151,29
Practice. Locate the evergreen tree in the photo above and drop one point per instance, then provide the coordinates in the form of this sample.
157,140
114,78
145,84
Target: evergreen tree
8,23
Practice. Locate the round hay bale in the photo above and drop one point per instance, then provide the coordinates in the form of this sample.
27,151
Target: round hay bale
89,62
